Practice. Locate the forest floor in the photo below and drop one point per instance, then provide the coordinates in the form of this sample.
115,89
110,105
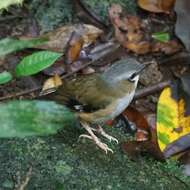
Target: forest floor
61,162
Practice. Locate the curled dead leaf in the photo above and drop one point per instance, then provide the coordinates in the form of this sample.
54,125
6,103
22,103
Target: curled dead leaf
58,38
145,136
157,6
167,48
74,47
88,70
135,149
139,48
74,66
128,31
57,68
50,85
141,135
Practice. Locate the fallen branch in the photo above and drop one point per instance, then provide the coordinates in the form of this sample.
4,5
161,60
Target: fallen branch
151,90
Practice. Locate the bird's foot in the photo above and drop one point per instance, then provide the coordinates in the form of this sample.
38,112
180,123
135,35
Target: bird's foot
93,137
97,141
104,134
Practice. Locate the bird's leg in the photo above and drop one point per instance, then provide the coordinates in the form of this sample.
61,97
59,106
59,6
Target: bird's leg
100,130
92,136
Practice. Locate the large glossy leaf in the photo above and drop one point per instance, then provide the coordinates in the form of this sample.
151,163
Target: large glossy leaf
9,45
5,3
36,62
31,118
5,77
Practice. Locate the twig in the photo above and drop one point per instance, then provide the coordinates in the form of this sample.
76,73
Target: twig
63,77
26,180
151,90
20,93
181,58
8,18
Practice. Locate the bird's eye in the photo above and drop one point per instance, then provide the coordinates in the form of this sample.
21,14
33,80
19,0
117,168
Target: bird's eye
131,78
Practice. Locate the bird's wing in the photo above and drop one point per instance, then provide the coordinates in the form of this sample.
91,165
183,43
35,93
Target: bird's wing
90,91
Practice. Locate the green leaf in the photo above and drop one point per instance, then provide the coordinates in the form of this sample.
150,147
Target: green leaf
161,36
6,3
5,77
36,62
33,118
9,45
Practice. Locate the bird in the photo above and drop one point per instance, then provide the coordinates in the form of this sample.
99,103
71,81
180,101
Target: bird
99,97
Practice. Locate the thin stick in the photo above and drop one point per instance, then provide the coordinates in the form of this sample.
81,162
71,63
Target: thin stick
26,180
8,18
151,90
25,92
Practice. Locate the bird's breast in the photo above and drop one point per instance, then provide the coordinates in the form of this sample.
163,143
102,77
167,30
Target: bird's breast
122,104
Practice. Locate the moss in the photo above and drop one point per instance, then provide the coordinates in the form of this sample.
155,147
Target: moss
102,8
51,14
61,162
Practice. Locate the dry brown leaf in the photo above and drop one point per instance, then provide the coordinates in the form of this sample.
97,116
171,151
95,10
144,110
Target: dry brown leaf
136,117
74,66
168,48
59,38
58,68
139,48
88,70
128,31
134,149
157,6
141,135
74,47
51,84
2,61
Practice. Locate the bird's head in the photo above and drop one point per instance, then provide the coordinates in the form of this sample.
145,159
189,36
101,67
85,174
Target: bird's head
127,69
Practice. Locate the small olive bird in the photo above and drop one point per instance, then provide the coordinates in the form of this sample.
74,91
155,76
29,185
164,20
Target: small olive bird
100,96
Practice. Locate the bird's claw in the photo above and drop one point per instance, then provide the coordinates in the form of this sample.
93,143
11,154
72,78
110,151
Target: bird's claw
104,134
85,136
101,145
113,139
104,147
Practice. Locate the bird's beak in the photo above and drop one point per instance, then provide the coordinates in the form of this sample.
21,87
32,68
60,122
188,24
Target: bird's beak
140,68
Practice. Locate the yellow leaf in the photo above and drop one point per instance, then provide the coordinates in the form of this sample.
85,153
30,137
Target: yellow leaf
172,124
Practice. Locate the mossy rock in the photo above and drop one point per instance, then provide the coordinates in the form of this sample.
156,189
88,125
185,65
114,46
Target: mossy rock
62,162
51,14
101,8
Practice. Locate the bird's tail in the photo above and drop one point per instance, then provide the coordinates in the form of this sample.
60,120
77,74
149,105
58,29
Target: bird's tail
33,118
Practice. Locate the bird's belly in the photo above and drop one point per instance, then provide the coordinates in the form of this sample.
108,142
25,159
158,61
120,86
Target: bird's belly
112,111
122,104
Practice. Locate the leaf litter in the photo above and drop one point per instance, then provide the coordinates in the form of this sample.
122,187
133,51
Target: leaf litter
79,44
